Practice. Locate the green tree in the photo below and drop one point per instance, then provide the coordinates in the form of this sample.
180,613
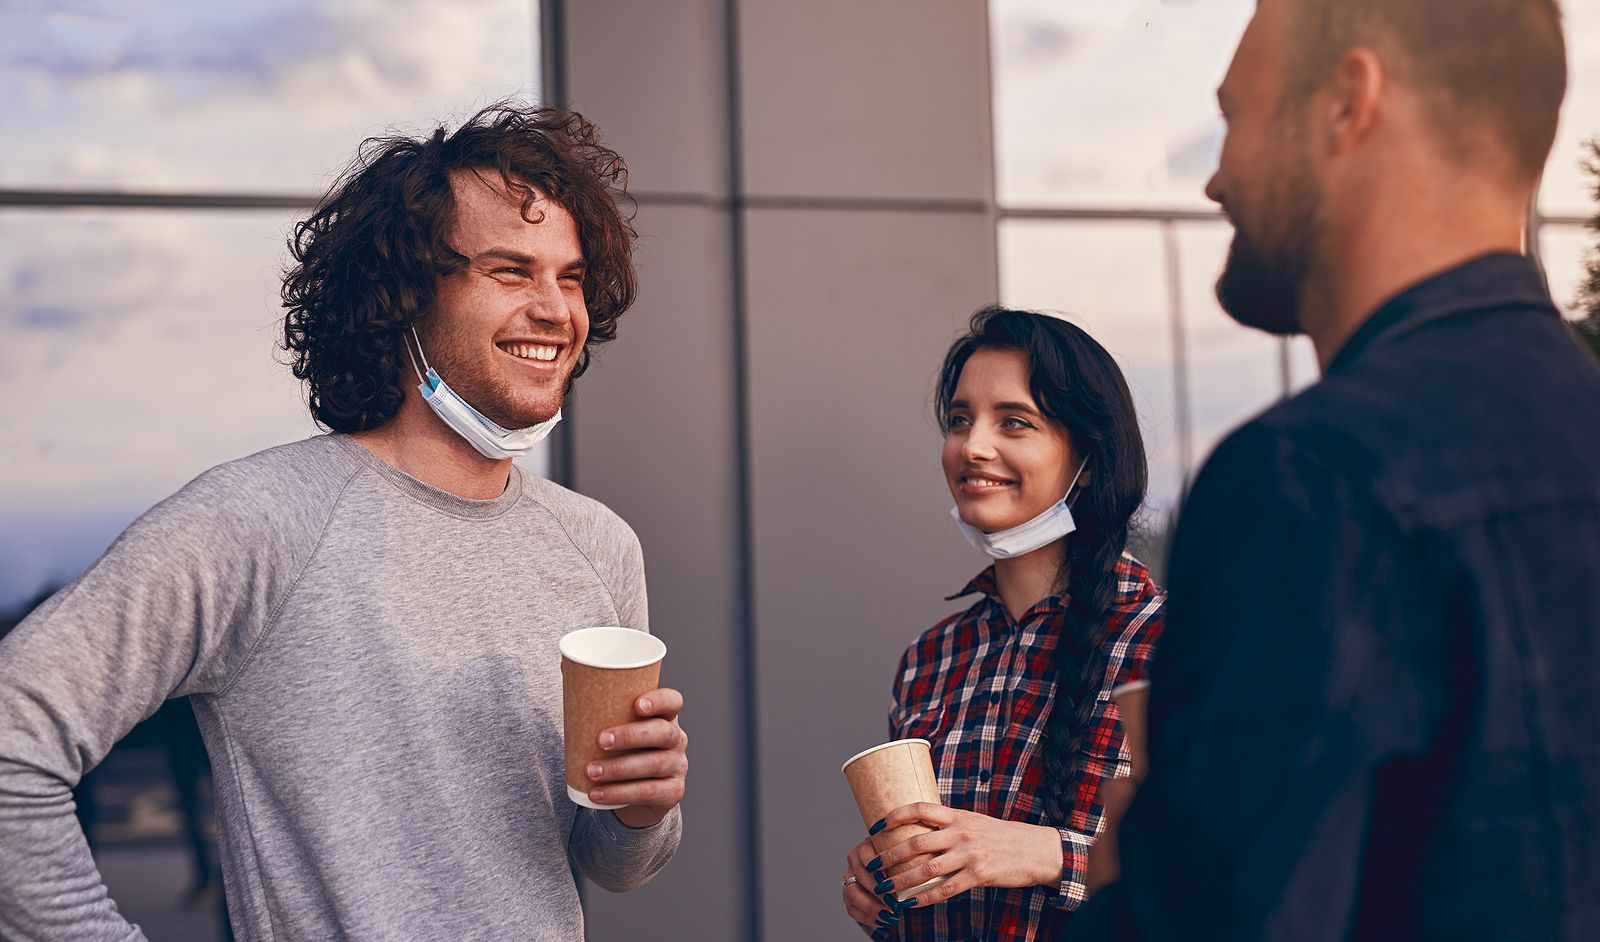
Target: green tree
1587,325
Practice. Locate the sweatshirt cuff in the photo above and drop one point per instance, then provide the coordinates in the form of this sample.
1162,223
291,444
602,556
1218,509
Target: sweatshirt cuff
619,833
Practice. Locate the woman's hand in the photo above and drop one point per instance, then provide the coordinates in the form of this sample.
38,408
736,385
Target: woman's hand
860,903
970,850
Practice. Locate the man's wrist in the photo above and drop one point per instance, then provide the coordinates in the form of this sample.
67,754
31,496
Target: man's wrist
640,817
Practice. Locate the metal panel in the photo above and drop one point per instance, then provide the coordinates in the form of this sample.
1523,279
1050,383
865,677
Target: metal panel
850,316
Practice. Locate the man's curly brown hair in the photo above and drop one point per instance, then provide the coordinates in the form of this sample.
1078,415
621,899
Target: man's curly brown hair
367,259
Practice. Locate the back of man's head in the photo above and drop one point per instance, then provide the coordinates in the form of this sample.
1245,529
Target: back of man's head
1490,74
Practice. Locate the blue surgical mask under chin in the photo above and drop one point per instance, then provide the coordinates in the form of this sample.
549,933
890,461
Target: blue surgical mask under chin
480,432
1050,526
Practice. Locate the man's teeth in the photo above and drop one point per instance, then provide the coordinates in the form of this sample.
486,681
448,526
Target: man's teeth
531,351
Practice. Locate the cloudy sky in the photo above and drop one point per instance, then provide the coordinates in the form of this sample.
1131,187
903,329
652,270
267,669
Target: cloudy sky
140,343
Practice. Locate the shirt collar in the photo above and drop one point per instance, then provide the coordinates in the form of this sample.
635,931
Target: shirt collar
1499,279
981,584
985,584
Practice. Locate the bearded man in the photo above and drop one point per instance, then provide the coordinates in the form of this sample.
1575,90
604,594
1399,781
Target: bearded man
1376,710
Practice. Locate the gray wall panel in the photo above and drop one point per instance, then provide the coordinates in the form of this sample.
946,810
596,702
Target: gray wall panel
866,98
654,440
844,315
850,314
654,77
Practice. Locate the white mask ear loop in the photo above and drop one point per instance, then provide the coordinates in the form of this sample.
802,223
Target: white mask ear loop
419,350
1077,478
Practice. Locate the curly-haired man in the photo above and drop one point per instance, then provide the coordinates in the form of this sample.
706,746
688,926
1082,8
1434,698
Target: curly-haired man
366,621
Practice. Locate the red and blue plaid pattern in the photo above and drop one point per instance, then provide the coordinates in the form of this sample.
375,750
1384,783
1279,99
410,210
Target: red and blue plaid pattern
979,686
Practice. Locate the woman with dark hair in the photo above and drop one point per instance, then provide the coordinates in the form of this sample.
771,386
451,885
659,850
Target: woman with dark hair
1043,455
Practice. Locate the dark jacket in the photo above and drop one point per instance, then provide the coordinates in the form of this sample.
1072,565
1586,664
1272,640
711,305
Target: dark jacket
1375,714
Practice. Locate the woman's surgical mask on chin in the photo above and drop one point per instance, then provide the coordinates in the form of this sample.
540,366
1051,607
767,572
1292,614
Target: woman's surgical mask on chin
1022,539
480,432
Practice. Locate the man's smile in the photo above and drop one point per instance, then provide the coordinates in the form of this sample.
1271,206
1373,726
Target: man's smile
540,355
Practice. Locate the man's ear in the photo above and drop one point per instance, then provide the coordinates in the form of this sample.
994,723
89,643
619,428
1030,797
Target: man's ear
1354,99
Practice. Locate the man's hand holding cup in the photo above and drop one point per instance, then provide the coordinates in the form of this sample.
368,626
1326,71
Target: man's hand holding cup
625,750
651,761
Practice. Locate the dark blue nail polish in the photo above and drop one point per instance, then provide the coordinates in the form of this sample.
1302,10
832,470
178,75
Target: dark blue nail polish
876,864
878,935
883,887
908,903
877,875
889,900
878,826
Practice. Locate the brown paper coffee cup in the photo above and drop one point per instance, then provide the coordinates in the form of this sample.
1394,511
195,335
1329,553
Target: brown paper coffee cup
604,671
891,776
1133,702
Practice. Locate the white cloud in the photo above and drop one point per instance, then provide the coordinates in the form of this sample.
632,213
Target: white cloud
156,361
1116,106
265,94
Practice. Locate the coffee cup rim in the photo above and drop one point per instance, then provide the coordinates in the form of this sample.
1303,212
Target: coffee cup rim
882,745
657,646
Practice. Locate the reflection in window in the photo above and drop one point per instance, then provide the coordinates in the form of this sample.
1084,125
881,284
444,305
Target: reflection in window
1111,102
1566,188
1565,251
1234,372
243,96
145,340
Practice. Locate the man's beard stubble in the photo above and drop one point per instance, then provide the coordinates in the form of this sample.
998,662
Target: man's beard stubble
481,387
1262,282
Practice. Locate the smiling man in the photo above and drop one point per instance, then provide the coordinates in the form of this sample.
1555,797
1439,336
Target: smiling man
366,622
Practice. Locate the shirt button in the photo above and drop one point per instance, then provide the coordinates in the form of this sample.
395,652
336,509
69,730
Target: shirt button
983,775
994,696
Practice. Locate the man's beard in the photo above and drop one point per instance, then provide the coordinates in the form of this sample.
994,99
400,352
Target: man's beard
1261,285
480,383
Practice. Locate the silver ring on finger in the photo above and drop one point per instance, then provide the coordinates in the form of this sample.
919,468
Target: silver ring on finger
850,881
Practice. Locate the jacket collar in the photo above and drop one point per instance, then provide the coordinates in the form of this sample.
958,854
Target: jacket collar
1498,279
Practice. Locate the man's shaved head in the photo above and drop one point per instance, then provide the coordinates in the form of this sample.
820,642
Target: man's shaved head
1491,73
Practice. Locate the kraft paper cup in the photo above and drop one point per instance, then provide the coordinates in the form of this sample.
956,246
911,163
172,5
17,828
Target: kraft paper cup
604,672
1133,701
887,777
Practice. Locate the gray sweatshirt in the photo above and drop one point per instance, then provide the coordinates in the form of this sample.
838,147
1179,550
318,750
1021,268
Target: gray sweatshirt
373,664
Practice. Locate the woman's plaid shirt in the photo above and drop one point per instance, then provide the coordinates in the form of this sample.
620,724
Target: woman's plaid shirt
979,686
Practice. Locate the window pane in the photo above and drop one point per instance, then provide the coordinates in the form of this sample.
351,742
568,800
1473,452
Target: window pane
1107,278
1111,102
1234,372
1567,188
1565,251
145,343
255,95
